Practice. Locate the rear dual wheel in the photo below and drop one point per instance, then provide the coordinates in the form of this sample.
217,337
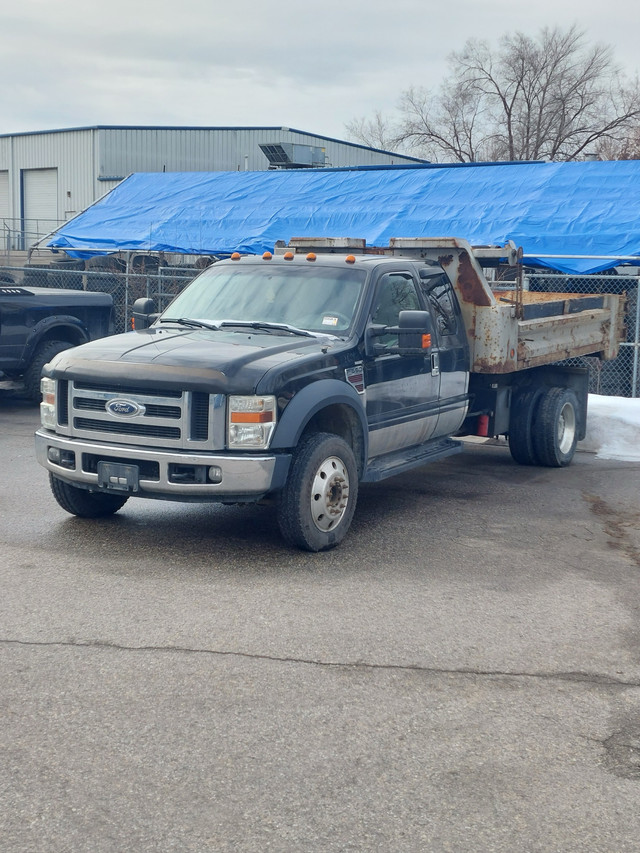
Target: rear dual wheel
544,427
521,426
556,427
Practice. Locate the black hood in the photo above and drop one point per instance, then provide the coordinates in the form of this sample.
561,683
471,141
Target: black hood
197,360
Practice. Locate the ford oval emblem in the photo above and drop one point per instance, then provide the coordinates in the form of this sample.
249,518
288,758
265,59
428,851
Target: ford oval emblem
124,408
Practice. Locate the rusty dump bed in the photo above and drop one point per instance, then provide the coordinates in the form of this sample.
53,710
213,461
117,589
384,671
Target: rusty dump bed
515,330
555,326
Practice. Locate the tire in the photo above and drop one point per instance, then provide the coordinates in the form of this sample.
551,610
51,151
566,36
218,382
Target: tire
317,503
84,503
43,354
521,426
555,433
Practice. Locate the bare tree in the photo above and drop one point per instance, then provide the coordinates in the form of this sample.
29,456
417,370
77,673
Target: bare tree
554,97
627,148
376,132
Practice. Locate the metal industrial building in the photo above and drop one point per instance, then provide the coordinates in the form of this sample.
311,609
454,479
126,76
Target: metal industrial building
47,177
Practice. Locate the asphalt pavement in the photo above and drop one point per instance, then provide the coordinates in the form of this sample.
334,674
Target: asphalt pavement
462,674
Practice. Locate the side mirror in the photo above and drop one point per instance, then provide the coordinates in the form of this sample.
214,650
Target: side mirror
414,332
144,313
412,335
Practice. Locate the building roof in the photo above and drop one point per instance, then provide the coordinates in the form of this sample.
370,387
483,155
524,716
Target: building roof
585,215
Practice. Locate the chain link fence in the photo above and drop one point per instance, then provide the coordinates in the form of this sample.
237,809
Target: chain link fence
147,277
620,377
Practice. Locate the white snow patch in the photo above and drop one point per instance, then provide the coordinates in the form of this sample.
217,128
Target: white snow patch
613,428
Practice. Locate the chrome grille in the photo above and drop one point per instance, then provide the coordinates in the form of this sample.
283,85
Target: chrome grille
151,410
128,390
126,429
184,419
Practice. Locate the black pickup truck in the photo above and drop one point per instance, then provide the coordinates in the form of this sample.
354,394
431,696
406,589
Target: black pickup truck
37,323
299,375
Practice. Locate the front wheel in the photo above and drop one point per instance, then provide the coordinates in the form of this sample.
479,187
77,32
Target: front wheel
318,501
555,434
43,355
84,503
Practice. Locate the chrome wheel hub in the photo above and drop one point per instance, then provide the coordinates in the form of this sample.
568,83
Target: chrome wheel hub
566,428
329,494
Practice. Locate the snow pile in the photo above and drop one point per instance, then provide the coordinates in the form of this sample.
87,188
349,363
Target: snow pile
613,428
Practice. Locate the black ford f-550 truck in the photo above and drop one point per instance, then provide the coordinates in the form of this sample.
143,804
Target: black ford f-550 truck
300,374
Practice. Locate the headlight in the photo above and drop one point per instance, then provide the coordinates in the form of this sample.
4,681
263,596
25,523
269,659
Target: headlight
48,404
251,421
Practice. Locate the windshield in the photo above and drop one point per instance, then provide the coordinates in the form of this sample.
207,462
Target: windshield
319,299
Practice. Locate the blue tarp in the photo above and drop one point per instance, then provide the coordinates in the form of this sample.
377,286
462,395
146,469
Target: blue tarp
570,209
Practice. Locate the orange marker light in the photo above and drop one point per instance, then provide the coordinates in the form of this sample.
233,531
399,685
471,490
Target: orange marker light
311,256
350,259
426,341
251,417
288,256
266,256
235,256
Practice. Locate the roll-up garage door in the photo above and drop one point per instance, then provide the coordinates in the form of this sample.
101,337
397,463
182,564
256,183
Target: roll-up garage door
39,202
4,209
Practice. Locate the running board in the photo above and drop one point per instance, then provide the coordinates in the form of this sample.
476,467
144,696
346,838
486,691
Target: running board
405,460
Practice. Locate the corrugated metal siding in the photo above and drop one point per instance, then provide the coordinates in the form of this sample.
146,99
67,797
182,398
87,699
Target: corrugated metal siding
4,209
4,195
127,150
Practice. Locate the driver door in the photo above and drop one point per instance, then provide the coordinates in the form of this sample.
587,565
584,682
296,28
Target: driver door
402,391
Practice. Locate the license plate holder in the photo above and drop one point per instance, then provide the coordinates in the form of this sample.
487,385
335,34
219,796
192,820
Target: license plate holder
118,477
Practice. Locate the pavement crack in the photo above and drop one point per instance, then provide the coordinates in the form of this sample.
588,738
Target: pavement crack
599,679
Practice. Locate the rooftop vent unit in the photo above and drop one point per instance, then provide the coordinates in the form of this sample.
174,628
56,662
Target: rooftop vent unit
288,155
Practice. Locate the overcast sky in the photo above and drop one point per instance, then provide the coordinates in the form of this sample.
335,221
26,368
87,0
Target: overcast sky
310,66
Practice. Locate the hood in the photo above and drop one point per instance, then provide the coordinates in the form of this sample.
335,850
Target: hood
195,360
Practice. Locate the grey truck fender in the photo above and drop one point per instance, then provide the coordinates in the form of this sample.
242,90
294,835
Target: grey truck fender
310,401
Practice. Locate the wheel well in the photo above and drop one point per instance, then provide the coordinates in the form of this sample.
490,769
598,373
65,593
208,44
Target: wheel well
340,420
68,334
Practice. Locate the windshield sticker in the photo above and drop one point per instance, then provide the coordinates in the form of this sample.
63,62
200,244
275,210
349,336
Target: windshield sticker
328,320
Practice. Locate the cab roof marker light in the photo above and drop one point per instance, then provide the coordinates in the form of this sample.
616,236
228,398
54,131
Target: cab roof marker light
235,256
266,256
288,256
350,259
311,256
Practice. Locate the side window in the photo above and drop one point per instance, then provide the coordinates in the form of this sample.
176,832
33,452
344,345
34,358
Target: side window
439,293
396,292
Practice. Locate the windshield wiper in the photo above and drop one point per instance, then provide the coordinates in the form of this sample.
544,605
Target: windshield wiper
262,324
195,324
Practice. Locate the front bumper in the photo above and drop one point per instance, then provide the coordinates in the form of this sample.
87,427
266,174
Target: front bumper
243,477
